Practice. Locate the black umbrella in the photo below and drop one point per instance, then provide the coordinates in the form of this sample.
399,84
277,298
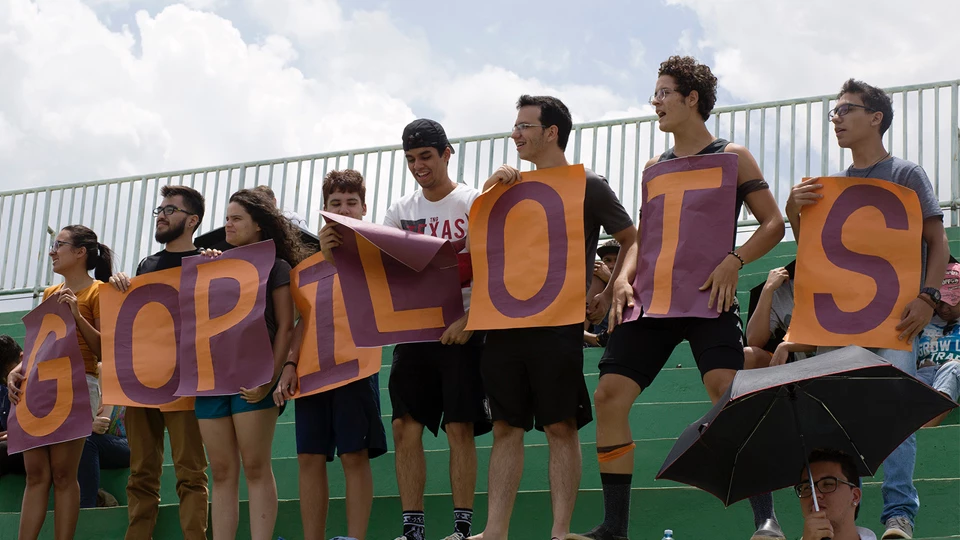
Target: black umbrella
755,439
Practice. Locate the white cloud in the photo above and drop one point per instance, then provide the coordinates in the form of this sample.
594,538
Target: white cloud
186,88
79,104
765,50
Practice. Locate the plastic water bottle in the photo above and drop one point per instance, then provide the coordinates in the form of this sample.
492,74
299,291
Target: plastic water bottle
668,534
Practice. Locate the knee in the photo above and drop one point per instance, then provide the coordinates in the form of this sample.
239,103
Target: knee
460,434
225,471
38,475
355,461
503,431
312,465
755,357
255,470
406,430
63,477
608,397
717,382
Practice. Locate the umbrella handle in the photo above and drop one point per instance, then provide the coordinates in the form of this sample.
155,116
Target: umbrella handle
803,447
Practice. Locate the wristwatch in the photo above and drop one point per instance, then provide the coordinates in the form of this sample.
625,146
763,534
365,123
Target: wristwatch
933,293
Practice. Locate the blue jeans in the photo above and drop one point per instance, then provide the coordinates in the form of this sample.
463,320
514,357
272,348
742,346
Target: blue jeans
900,496
99,452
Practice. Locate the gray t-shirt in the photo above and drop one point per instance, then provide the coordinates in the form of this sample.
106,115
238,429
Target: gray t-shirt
781,308
907,174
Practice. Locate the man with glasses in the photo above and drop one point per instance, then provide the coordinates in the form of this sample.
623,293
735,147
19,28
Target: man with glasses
684,96
862,115
177,219
838,496
534,376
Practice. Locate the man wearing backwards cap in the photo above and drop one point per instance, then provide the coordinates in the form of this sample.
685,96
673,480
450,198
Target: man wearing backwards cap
436,384
938,356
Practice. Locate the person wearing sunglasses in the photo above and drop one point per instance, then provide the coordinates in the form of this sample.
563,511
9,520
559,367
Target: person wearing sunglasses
862,115
177,219
837,486
74,253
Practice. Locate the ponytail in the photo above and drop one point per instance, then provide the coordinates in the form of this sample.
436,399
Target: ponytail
102,263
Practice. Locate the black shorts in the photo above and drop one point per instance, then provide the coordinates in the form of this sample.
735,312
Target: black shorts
534,376
437,384
342,420
639,349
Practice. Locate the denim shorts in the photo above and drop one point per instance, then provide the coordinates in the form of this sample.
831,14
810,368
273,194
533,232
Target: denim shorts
210,407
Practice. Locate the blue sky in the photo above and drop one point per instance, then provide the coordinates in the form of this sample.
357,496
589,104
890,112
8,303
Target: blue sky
105,88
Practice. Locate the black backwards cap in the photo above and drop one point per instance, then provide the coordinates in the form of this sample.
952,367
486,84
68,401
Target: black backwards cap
425,133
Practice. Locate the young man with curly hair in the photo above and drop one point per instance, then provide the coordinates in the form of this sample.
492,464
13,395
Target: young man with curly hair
684,96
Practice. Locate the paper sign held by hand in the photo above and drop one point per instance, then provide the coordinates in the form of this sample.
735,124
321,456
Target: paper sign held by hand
224,343
687,228
858,264
54,402
328,356
398,286
527,247
140,335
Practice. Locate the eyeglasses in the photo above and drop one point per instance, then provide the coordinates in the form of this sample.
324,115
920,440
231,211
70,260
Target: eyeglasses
660,95
842,110
827,484
56,244
169,209
521,127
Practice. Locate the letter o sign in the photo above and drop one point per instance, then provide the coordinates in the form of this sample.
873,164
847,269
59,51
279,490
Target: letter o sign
167,296
557,241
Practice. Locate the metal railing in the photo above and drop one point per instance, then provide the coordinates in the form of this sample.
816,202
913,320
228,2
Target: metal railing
790,139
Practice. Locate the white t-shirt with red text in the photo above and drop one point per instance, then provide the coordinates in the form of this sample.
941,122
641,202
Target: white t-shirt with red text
447,218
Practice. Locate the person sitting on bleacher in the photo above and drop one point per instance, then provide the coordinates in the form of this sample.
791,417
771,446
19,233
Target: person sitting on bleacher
595,335
769,323
938,348
10,356
838,496
105,448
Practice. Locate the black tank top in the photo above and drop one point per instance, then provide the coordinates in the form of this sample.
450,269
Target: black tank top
717,147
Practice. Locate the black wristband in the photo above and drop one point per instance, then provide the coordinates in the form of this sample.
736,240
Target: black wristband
737,255
288,363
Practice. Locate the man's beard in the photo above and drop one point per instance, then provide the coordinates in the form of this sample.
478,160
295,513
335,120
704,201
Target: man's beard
171,234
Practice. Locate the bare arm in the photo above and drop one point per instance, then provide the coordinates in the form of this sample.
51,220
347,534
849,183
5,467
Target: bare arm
802,194
283,312
758,326
627,238
938,251
91,334
762,205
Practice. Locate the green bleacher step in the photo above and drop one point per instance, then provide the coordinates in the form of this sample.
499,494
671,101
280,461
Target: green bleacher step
689,512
